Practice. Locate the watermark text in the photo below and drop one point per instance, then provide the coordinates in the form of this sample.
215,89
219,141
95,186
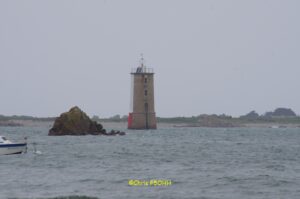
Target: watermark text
150,183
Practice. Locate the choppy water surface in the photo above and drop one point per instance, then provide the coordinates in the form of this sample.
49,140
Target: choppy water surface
202,163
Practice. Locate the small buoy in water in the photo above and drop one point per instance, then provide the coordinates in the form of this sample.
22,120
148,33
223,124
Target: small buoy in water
34,149
38,152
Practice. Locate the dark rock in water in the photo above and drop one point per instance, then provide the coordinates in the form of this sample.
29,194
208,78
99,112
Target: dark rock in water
122,133
113,133
76,122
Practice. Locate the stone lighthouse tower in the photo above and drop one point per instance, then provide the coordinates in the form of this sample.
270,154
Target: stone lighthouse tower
142,115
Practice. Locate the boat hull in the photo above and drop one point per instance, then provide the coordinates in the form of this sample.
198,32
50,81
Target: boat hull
8,149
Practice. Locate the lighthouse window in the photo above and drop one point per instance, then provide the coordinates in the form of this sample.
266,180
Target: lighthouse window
146,79
146,92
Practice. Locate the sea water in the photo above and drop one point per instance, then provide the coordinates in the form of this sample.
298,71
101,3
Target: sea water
225,163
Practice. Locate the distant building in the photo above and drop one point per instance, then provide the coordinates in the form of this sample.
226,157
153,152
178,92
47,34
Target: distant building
142,115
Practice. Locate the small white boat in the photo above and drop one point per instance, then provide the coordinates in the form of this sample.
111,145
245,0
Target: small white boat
7,147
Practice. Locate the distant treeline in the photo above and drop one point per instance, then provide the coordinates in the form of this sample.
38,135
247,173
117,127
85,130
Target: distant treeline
279,115
23,117
239,120
193,119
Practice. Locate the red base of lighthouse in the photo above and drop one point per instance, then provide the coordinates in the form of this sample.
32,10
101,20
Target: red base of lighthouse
129,121
141,121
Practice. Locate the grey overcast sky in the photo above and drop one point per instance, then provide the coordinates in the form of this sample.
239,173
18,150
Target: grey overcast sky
209,56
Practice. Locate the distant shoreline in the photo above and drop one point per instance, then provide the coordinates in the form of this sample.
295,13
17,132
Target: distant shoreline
123,124
248,125
279,118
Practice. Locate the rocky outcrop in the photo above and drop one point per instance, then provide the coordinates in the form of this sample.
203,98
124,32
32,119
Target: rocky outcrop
76,122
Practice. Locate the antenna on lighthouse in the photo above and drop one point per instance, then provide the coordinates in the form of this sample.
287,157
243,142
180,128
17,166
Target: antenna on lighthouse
142,61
